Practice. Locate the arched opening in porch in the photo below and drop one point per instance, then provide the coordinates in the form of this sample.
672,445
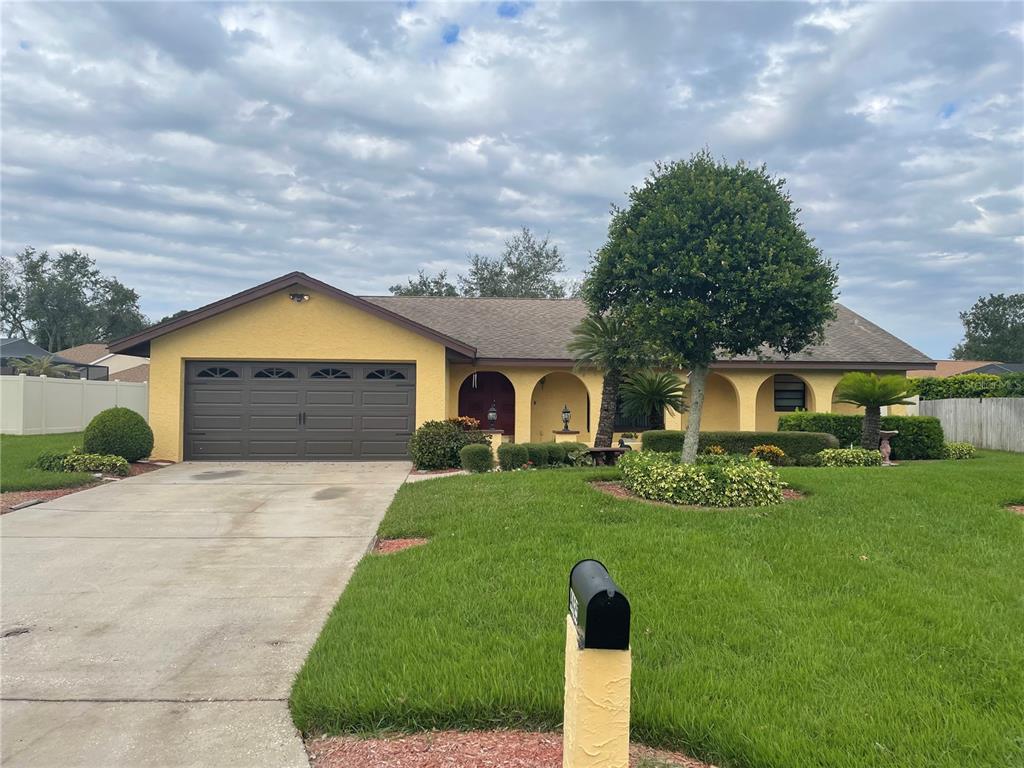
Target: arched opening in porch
721,405
482,389
779,394
550,395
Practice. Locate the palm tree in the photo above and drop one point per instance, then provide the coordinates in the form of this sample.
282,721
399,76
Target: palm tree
599,343
872,391
43,366
648,394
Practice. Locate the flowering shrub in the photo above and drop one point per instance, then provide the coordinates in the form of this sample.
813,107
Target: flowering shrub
466,422
770,453
716,481
958,451
849,457
714,450
95,462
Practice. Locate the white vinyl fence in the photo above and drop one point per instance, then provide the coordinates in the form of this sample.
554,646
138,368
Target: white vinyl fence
991,422
39,405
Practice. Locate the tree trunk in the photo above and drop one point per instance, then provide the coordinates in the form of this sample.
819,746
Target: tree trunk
698,376
657,419
606,416
872,424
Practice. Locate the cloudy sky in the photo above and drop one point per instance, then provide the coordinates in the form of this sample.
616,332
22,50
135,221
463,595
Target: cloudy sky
195,150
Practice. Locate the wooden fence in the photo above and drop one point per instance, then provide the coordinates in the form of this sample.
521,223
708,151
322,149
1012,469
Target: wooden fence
991,422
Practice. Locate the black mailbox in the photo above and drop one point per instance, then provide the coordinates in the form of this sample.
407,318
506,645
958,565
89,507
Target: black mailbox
598,608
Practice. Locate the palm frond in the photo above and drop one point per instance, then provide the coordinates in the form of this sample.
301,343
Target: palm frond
870,389
650,392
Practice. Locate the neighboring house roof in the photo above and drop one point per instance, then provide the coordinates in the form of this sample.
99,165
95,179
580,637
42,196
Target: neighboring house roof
999,368
135,373
85,353
539,330
944,368
22,348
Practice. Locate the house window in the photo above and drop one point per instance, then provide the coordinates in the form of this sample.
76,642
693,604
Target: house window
216,372
273,373
625,423
385,373
790,393
330,373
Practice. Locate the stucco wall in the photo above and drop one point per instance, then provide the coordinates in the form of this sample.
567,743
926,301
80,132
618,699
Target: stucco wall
277,328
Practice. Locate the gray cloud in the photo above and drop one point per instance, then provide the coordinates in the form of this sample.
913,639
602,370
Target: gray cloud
197,149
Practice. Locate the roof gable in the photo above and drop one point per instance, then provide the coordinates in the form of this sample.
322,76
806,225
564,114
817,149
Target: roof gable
138,344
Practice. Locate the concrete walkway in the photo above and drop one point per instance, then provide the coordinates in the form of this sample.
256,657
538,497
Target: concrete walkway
168,614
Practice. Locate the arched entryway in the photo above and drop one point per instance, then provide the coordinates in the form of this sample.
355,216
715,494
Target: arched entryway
779,394
482,389
550,395
721,405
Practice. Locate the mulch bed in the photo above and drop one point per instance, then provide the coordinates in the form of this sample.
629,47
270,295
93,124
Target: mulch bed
456,749
10,499
1018,508
388,546
619,491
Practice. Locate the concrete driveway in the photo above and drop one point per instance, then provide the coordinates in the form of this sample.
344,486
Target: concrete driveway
168,614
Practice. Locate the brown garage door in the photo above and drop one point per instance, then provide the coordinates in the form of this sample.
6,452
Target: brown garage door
277,411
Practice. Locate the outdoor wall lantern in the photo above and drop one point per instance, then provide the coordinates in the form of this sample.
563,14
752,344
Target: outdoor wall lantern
566,413
298,298
492,415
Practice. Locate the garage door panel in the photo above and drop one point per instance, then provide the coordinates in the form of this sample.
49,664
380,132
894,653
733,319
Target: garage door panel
322,397
299,417
386,398
209,396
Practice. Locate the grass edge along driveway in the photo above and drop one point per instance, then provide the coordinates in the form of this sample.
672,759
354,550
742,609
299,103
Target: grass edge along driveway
877,622
19,452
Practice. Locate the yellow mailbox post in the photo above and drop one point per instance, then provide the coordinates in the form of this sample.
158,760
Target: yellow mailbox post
595,730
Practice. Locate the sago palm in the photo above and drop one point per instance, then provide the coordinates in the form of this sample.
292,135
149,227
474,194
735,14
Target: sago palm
43,366
872,392
599,343
648,394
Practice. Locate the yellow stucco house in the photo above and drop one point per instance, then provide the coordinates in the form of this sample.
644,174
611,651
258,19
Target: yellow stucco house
296,369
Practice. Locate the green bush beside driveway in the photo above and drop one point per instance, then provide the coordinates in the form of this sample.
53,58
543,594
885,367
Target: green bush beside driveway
19,452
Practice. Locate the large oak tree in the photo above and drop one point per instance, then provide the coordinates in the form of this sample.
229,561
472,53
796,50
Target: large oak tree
709,261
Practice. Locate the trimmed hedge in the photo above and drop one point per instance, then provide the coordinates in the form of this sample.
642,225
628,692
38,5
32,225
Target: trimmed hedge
476,458
512,456
849,457
556,454
715,481
538,453
920,437
118,432
963,385
792,443
436,444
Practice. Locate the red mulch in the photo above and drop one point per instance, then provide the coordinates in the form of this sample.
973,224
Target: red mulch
621,492
387,546
451,471
13,498
455,749
1018,508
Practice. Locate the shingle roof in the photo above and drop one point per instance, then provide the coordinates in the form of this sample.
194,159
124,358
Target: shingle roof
135,373
84,353
944,368
540,329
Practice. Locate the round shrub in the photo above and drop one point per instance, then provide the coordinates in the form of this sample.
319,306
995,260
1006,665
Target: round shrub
959,451
476,457
118,432
556,454
512,456
436,444
770,453
717,481
538,453
849,457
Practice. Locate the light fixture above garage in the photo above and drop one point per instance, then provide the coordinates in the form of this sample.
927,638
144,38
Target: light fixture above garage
298,298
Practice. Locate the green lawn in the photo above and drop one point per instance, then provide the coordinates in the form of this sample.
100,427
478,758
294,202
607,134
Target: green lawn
878,622
18,452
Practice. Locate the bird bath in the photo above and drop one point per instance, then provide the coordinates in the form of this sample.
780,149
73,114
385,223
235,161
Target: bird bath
885,448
